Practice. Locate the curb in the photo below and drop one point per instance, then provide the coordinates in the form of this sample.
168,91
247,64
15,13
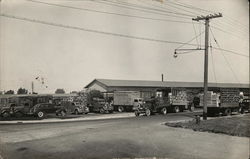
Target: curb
53,120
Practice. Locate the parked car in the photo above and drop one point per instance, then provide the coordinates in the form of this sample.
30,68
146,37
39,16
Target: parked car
20,105
7,110
244,105
68,107
40,110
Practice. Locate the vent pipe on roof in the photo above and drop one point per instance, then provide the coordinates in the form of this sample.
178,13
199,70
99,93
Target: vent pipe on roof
162,77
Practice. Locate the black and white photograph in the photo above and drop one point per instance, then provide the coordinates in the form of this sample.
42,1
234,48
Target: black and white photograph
124,79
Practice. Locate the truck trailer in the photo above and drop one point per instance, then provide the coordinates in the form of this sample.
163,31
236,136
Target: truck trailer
223,102
126,100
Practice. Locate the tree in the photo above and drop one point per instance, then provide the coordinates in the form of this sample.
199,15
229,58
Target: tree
22,91
60,91
10,92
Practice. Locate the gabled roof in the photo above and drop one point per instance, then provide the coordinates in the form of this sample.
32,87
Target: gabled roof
160,84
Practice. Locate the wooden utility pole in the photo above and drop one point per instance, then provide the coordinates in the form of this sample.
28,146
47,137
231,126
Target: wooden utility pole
206,18
32,87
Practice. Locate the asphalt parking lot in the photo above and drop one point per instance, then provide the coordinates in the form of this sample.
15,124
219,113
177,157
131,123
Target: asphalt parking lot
133,137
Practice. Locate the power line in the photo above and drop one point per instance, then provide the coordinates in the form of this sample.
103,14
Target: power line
232,52
109,33
137,9
148,8
191,40
91,30
225,57
105,12
195,34
217,28
229,19
213,65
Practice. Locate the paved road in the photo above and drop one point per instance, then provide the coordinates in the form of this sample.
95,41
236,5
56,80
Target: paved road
118,138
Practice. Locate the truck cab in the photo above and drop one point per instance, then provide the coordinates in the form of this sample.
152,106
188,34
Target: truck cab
137,103
153,105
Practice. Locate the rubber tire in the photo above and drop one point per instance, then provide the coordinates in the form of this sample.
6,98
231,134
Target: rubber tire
40,114
192,108
76,112
63,113
227,112
241,110
6,115
137,113
120,109
147,112
164,111
102,111
177,109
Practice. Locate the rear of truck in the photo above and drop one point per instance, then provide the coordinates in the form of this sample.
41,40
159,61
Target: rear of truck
224,102
126,100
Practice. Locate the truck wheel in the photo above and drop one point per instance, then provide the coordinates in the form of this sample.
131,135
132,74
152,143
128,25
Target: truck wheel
227,112
40,114
148,112
241,110
63,113
102,111
176,109
137,113
76,112
192,108
6,114
164,111
120,109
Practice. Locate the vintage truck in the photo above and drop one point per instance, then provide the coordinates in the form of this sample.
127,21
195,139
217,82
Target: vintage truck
100,105
153,105
225,101
126,100
176,101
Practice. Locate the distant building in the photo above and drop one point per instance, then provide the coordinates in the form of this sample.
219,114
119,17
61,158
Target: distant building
152,88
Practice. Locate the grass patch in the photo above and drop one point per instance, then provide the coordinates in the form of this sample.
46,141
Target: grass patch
235,125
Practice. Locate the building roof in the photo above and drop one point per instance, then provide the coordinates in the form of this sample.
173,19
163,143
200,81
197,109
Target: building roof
160,84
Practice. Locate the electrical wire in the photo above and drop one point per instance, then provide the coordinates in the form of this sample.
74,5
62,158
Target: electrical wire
213,65
187,52
109,33
229,19
137,9
191,40
91,30
148,8
161,7
195,34
105,12
225,58
217,28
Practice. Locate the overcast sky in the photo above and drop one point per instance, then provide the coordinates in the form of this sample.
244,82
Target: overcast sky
71,58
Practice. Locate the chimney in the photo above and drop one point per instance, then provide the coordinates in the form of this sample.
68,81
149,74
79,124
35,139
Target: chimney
162,78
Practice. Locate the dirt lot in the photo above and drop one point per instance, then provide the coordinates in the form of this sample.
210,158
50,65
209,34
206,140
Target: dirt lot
234,125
